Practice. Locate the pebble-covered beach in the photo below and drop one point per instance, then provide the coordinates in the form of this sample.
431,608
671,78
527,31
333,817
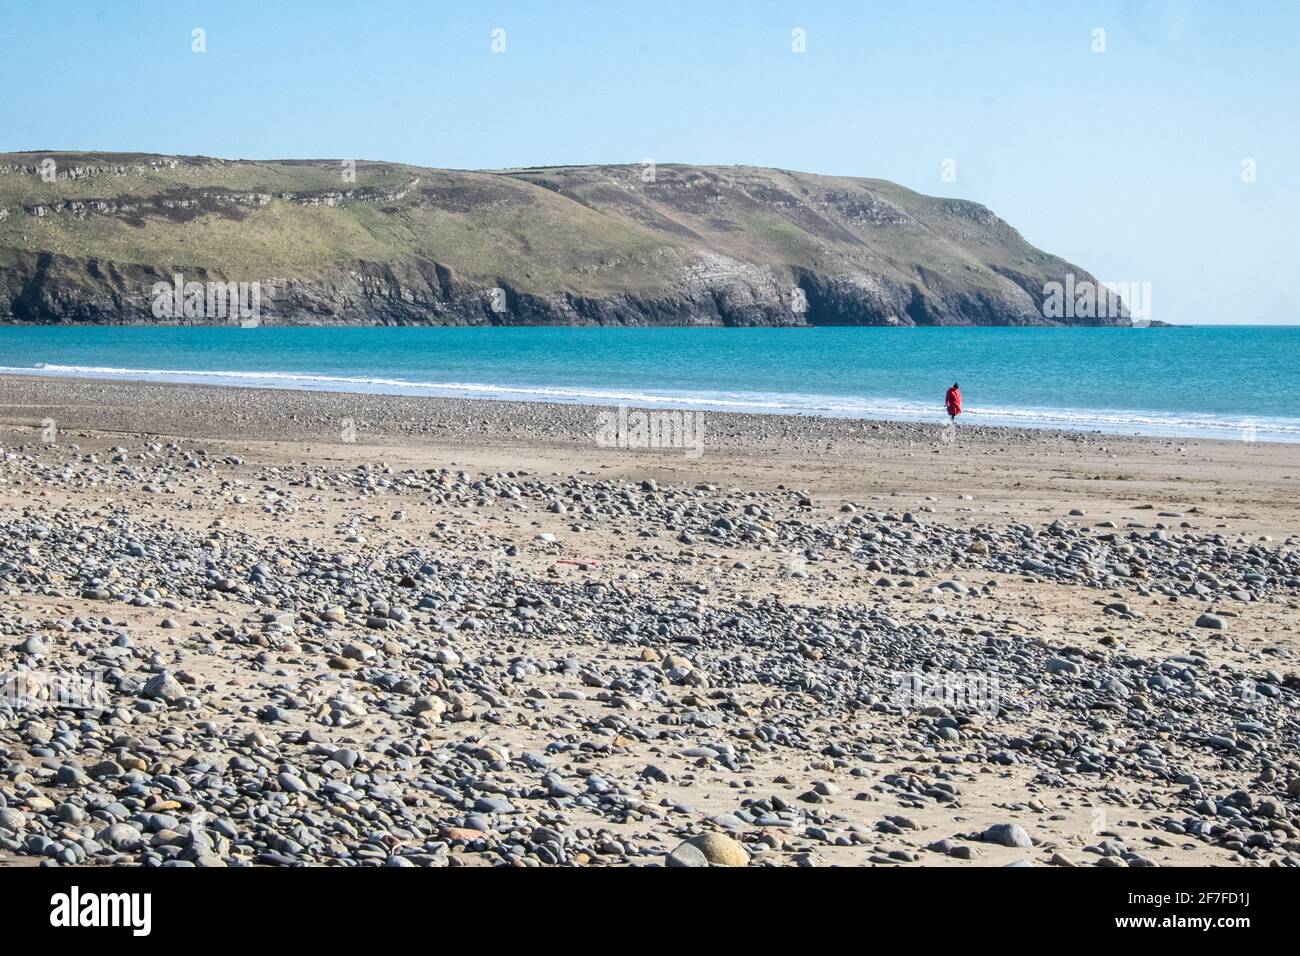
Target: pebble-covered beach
253,628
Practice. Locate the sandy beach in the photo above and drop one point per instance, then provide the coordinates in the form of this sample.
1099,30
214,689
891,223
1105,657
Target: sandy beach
341,629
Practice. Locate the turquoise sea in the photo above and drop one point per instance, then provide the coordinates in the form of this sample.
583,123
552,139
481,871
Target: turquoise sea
1209,381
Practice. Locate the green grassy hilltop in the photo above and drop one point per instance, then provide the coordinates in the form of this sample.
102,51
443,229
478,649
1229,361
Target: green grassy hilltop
84,240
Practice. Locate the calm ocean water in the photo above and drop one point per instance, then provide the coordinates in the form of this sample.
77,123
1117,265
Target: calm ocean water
1217,381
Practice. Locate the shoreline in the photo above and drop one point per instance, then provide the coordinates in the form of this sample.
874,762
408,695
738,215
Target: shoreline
1259,435
839,457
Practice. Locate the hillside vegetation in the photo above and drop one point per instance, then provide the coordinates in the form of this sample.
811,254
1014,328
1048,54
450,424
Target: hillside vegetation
554,245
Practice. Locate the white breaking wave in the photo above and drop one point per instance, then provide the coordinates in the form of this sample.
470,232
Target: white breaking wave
1118,421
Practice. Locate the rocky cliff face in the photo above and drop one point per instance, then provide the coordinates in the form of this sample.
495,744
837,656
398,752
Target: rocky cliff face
94,238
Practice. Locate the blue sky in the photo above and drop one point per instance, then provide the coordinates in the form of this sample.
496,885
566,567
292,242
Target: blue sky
1128,162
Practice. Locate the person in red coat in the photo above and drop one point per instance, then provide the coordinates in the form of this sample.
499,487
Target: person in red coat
952,402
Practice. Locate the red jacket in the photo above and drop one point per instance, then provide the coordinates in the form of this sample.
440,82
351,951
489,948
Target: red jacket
953,401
